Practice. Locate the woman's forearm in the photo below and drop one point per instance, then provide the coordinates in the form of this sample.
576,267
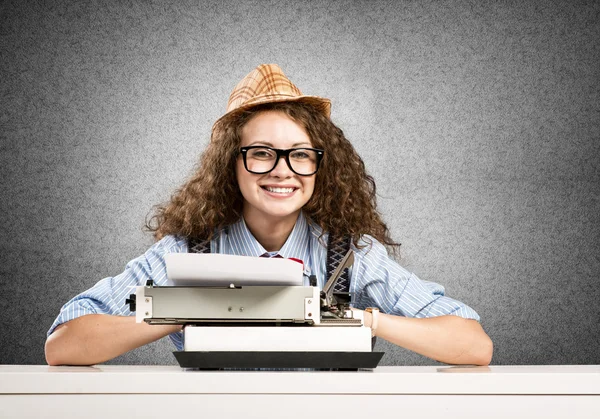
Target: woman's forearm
96,338
448,339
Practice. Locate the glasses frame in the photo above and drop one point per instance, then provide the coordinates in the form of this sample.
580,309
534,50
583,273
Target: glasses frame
282,153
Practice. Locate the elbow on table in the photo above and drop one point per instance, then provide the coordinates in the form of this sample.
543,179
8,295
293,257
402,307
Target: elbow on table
486,352
51,351
478,347
59,349
482,347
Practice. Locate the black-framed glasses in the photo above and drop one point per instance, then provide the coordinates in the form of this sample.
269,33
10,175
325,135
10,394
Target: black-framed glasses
259,159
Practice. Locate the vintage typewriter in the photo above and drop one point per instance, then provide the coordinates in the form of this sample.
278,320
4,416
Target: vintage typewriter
244,312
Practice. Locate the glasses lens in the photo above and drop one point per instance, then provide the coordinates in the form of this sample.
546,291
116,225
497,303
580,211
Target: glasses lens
302,161
260,160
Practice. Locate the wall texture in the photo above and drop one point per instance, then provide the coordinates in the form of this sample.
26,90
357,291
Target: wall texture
480,124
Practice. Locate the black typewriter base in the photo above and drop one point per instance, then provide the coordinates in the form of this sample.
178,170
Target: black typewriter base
329,361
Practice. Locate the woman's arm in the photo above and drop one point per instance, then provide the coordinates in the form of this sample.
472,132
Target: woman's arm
449,339
96,338
419,316
98,325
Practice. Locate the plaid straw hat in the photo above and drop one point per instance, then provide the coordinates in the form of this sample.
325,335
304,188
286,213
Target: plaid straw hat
267,84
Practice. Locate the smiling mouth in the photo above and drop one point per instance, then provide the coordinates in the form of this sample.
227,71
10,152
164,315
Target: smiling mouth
279,190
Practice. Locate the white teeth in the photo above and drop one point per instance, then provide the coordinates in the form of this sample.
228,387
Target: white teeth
279,190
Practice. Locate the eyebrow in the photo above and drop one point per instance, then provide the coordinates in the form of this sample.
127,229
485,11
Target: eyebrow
268,144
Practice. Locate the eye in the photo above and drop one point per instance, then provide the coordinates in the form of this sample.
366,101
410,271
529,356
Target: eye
300,154
260,153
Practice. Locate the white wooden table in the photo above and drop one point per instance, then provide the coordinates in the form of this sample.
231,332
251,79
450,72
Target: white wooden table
36,391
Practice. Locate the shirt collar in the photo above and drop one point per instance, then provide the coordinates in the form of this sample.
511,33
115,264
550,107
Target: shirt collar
242,242
296,245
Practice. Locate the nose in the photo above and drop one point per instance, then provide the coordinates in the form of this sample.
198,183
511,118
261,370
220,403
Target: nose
281,168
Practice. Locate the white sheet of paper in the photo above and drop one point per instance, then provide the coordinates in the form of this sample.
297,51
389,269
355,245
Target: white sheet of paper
198,269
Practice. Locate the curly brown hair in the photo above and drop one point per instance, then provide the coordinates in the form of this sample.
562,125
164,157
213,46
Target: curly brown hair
343,202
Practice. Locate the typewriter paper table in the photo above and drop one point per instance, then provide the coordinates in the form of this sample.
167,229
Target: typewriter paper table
168,391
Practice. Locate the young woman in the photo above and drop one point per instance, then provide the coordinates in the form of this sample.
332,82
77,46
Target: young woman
277,179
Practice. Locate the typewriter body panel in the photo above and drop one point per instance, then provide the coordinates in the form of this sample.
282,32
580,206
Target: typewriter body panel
228,305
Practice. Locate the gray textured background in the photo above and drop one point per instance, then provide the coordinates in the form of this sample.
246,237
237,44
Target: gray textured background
480,124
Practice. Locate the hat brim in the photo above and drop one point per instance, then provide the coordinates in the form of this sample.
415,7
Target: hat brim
323,105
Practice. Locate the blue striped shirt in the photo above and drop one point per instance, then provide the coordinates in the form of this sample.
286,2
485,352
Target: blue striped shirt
376,280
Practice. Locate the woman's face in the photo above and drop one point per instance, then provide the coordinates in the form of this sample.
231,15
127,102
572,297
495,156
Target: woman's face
280,193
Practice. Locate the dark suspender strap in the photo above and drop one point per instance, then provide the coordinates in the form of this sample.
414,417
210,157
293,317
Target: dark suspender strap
198,246
337,247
